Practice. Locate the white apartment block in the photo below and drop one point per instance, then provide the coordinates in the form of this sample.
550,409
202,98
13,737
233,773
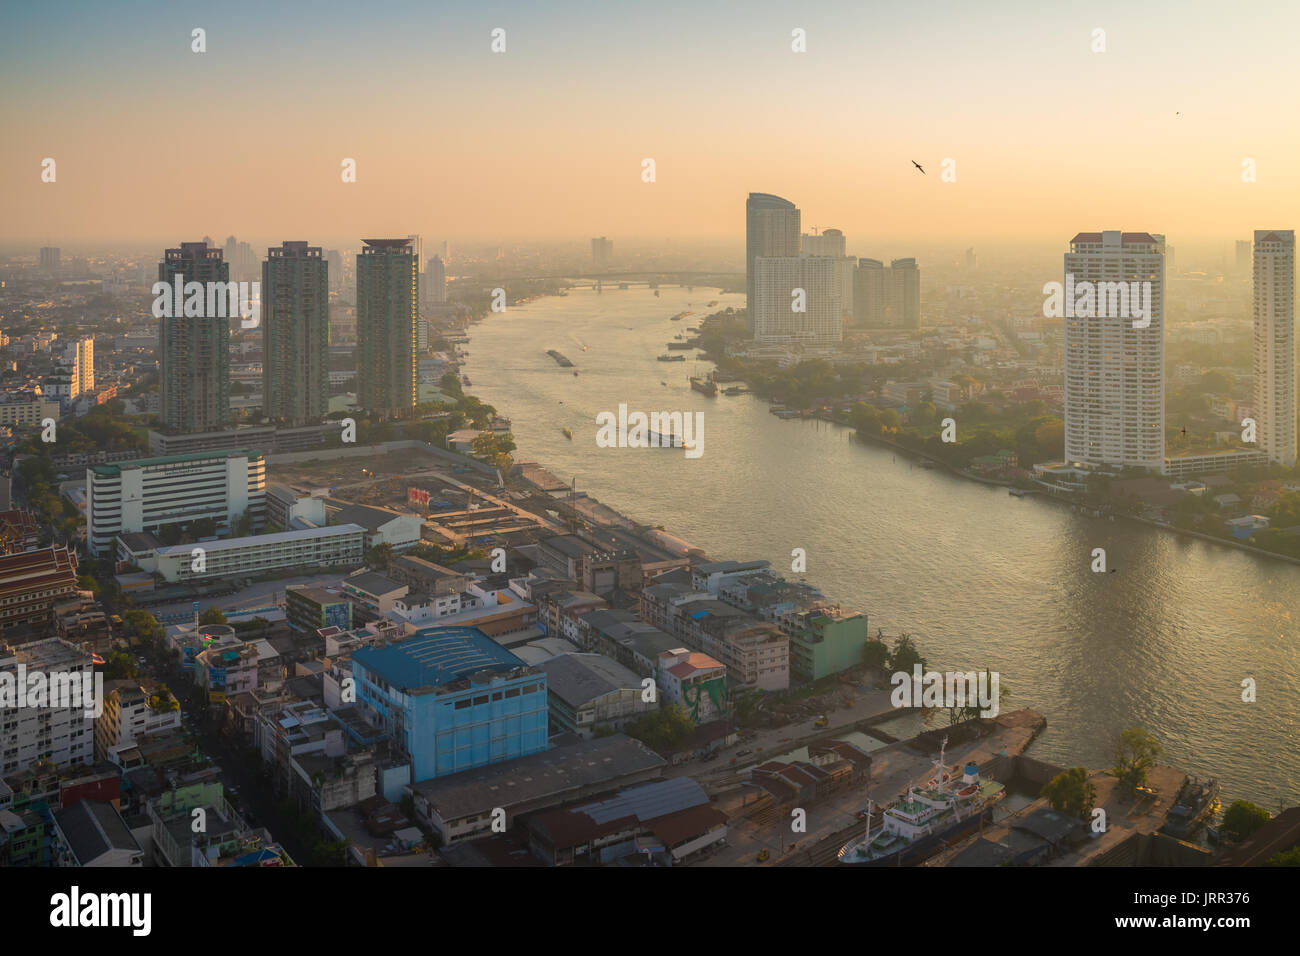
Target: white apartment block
128,718
150,493
1114,373
80,356
334,547
1275,351
63,736
778,282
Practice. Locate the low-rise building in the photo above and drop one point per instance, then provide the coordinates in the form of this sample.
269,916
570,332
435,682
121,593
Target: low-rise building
399,530
463,806
693,682
587,692
311,608
338,546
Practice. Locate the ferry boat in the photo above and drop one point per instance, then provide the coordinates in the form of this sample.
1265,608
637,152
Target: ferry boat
672,358
704,385
921,823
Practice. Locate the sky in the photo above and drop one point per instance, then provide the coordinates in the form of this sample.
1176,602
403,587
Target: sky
546,140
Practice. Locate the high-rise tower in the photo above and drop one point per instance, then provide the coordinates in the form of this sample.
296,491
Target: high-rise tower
194,352
295,334
388,288
1275,351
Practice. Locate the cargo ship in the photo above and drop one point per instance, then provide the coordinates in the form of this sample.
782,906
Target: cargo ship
924,821
704,385
560,360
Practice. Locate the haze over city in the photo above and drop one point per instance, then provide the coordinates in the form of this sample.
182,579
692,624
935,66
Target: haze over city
546,140
703,436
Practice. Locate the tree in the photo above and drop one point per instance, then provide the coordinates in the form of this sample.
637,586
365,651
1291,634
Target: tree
120,666
905,655
971,709
1071,793
875,653
1289,857
1136,752
663,729
379,556
1243,818
212,615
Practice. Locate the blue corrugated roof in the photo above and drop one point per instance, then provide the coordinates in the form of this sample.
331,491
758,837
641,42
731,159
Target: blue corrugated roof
436,656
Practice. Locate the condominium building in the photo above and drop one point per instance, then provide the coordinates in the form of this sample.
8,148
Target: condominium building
295,334
830,242
63,735
796,301
771,229
435,282
194,352
887,296
387,327
1114,371
1275,346
602,250
151,493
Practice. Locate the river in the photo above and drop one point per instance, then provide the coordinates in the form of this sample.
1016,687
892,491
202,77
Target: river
981,579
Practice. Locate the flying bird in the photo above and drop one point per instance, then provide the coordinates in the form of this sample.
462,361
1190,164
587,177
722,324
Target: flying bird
918,166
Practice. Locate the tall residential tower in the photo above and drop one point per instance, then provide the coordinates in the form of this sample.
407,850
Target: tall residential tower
1114,372
194,352
388,289
295,334
1275,352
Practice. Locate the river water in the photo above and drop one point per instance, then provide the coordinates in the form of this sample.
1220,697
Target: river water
981,579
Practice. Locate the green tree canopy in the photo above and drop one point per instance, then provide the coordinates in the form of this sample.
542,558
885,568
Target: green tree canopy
1136,753
1071,793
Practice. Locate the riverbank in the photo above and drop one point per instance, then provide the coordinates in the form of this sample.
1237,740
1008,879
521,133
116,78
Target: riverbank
1046,494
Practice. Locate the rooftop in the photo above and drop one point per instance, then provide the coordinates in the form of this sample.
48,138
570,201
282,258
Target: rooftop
526,779
436,656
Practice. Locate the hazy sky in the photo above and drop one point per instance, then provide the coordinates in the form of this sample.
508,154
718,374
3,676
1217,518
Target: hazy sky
546,139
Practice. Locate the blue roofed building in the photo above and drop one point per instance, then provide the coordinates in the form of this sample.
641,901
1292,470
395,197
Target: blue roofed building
454,698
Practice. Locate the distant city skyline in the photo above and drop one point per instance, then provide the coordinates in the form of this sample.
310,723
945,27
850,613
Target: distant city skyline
525,145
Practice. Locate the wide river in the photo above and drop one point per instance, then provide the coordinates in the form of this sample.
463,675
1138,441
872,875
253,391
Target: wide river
981,579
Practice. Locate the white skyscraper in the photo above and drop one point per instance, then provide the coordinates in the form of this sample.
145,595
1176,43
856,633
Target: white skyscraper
1275,353
784,283
1114,373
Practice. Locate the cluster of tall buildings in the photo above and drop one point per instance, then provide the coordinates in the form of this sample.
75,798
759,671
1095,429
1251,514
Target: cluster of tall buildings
296,281
1114,359
804,288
